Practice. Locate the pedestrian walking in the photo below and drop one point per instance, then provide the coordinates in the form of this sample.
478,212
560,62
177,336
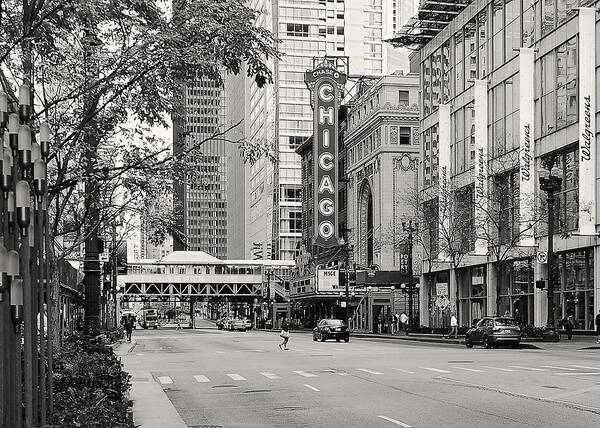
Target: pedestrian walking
178,319
379,324
285,335
569,323
517,317
453,326
598,326
128,325
404,322
391,322
397,321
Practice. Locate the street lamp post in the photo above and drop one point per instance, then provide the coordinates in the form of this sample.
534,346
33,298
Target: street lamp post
410,229
550,185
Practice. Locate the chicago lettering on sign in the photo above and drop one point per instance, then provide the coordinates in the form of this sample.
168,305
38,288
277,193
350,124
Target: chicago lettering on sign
326,85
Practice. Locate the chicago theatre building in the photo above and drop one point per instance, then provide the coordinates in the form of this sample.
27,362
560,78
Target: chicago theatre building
508,95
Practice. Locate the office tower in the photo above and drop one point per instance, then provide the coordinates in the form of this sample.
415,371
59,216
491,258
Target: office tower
200,189
280,114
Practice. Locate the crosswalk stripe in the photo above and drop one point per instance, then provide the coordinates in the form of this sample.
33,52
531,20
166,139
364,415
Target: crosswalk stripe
394,421
311,387
370,371
584,367
436,370
468,369
500,368
305,374
235,376
528,368
560,368
403,371
165,379
270,375
201,378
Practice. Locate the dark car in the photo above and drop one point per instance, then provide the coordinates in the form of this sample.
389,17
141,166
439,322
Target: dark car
331,329
220,323
493,331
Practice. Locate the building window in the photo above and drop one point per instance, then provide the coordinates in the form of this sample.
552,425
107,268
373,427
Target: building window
340,31
297,30
574,290
516,290
566,206
405,133
506,198
403,98
291,193
472,294
295,141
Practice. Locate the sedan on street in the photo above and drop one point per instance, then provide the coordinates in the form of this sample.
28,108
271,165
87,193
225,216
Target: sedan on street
331,329
493,331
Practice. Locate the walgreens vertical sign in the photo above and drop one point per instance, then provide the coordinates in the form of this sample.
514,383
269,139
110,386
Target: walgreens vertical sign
326,85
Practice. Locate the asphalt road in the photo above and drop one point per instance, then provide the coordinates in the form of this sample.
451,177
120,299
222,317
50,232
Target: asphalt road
219,378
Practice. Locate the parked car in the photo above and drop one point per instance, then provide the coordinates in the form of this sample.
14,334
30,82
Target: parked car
331,329
493,331
236,324
148,318
248,323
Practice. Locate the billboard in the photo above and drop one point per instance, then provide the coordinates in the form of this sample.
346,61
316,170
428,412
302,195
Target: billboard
326,84
328,280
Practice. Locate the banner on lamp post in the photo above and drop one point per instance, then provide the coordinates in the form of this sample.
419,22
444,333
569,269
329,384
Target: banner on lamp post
587,121
443,179
526,148
481,166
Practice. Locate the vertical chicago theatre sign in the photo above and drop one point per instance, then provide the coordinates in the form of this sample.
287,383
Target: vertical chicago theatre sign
326,84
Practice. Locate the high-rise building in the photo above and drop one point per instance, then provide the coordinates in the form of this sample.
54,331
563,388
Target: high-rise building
281,114
201,189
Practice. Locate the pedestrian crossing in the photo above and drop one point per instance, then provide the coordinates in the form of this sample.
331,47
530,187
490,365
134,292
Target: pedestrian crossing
361,372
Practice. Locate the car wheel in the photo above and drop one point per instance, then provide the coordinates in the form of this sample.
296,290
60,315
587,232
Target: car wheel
338,340
515,345
347,340
155,327
468,342
486,343
322,338
314,338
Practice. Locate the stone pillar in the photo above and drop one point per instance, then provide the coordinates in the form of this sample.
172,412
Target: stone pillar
423,301
492,289
452,289
540,296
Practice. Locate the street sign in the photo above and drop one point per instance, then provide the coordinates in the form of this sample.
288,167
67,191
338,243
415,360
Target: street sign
441,289
542,257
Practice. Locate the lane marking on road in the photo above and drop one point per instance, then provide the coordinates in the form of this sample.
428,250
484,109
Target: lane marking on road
201,378
394,421
403,371
305,374
220,352
500,368
235,376
436,370
311,387
576,392
528,368
468,369
577,374
258,350
270,375
165,379
584,367
370,371
560,368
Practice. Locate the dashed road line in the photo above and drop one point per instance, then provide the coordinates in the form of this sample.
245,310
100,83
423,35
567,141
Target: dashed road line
305,374
578,374
584,367
560,368
436,370
370,371
528,368
468,369
235,376
201,378
270,375
403,371
501,369
394,421
165,380
311,387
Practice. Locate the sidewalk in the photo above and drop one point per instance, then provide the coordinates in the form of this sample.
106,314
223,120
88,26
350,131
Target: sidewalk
151,406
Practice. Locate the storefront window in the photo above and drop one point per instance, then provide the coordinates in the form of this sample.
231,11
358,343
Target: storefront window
516,290
472,294
574,294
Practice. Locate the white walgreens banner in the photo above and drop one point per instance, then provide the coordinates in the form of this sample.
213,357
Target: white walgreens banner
481,170
587,121
444,179
526,148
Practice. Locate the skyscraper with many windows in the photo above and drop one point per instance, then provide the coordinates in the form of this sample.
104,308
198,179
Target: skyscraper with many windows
280,114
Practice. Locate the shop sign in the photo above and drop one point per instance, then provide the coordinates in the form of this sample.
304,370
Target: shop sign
481,166
403,263
441,289
444,178
328,280
326,85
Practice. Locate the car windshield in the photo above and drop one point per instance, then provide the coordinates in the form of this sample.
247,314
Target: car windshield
334,322
505,322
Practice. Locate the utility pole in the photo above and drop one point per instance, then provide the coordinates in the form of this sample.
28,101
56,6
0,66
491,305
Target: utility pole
410,230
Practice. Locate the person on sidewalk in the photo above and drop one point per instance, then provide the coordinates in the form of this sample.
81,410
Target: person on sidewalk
598,326
391,322
404,322
569,323
128,325
285,335
397,322
453,326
